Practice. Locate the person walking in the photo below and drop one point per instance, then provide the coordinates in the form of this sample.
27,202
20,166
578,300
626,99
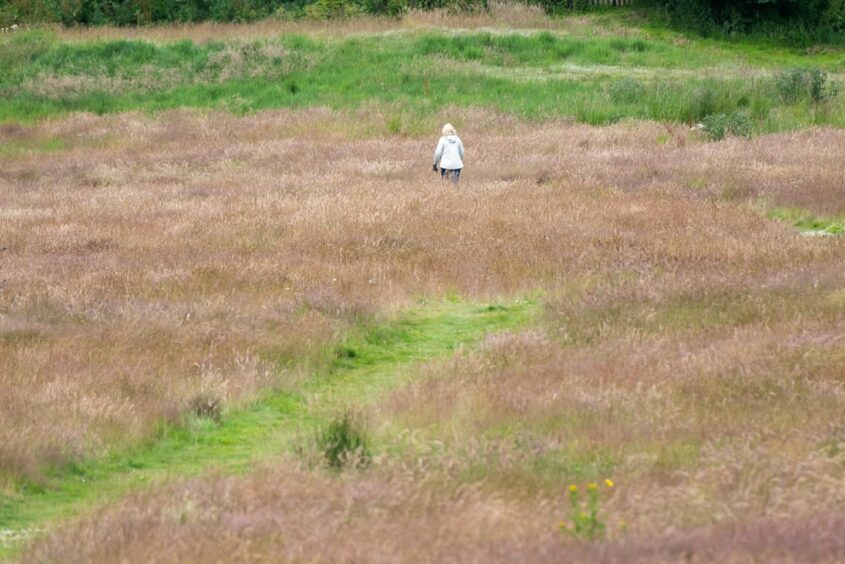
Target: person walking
449,154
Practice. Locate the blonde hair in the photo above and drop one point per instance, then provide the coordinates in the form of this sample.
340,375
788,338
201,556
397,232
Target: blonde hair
449,130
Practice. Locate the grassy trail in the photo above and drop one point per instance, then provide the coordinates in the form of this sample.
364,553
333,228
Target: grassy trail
366,366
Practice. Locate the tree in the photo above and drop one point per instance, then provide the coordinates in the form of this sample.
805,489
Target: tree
740,16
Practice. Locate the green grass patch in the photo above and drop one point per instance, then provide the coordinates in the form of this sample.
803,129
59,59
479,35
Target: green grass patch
808,222
49,145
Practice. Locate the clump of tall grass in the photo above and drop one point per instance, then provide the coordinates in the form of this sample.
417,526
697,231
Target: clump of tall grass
206,405
344,442
626,90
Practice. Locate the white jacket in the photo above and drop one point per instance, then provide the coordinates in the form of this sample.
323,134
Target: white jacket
449,153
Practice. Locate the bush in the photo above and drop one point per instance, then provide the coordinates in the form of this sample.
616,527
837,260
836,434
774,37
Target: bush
138,12
834,18
719,126
344,443
798,84
795,21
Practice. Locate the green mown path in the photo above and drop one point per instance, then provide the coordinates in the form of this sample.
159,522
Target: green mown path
365,368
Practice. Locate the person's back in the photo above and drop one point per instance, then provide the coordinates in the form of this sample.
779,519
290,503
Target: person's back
449,154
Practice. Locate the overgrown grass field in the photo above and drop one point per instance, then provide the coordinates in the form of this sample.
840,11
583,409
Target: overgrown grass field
241,319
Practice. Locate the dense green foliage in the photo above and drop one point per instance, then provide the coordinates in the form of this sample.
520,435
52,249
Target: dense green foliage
800,21
135,12
796,21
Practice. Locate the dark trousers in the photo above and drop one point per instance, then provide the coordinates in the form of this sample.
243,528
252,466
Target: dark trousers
454,174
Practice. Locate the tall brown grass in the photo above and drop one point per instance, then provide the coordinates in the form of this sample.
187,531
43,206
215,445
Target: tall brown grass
689,346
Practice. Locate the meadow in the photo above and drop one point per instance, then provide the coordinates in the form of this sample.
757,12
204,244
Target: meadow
241,319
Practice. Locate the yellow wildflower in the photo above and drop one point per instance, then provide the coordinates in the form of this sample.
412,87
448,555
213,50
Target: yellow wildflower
609,483
592,486
573,488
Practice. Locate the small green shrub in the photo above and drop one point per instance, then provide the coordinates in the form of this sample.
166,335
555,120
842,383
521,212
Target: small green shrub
810,84
716,126
719,126
836,228
740,125
343,443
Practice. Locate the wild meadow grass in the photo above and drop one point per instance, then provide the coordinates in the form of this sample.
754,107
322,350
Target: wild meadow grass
220,286
157,268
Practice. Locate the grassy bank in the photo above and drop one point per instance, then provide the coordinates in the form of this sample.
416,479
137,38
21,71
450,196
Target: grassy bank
535,75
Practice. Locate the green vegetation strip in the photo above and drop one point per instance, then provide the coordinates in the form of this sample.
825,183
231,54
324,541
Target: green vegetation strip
809,223
366,366
596,80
